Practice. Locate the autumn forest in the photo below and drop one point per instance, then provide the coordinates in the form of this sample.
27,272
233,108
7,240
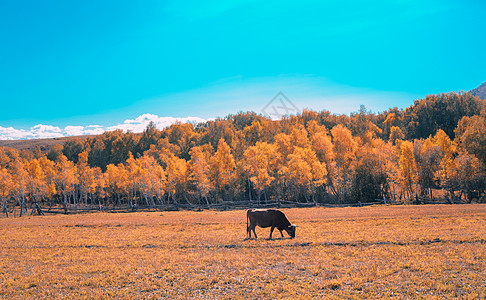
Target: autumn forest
434,149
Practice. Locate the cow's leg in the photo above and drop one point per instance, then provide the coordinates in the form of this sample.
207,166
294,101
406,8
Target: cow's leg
254,233
271,231
281,233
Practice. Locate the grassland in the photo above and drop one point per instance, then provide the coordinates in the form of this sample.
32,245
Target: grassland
372,252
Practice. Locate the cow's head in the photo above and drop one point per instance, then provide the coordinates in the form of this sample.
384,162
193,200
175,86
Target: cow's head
291,230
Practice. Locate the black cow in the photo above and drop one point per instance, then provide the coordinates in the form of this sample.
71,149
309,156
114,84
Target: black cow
268,218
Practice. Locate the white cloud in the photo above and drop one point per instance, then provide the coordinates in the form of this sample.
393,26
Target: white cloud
138,124
74,130
83,130
41,131
10,133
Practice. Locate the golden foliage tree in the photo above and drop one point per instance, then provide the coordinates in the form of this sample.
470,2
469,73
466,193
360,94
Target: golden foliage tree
118,181
66,179
37,186
389,155
200,172
222,169
49,169
153,180
305,172
6,185
86,175
322,145
448,167
470,175
260,164
408,167
313,156
396,134
177,175
344,149
471,135
19,180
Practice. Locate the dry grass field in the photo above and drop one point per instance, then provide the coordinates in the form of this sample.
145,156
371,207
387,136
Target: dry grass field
432,252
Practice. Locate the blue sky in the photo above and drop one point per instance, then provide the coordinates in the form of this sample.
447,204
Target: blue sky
83,63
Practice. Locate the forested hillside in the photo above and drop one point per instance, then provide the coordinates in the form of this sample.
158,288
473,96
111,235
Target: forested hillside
480,91
435,148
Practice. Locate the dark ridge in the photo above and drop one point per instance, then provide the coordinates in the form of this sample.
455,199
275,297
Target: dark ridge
480,91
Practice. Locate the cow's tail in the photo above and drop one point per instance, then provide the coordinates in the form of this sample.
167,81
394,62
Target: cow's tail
247,225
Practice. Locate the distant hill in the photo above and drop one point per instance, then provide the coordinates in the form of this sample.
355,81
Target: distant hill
480,91
43,144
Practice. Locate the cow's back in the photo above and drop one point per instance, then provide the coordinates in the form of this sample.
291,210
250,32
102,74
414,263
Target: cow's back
268,218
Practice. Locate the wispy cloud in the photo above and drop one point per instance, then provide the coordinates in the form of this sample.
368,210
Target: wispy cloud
83,130
138,124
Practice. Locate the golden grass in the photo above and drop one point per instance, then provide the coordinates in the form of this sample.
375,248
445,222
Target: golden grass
372,252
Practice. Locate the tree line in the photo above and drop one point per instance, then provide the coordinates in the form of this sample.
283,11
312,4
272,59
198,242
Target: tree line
434,148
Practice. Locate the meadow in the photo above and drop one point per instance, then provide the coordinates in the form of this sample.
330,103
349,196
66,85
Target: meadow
411,252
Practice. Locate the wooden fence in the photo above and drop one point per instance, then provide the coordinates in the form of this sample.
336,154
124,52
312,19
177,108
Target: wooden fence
228,205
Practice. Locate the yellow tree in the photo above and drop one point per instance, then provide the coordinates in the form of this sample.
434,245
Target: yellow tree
19,177
471,135
470,175
178,167
391,119
49,169
222,168
389,155
177,173
299,136
200,172
6,185
427,157
87,181
66,179
8,156
442,140
284,145
117,180
396,134
305,172
260,163
448,168
144,179
37,185
322,145
344,148
153,180
181,136
408,167
253,133
370,177
134,173
98,190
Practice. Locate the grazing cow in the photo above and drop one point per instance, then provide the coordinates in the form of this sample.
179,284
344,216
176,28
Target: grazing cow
268,218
